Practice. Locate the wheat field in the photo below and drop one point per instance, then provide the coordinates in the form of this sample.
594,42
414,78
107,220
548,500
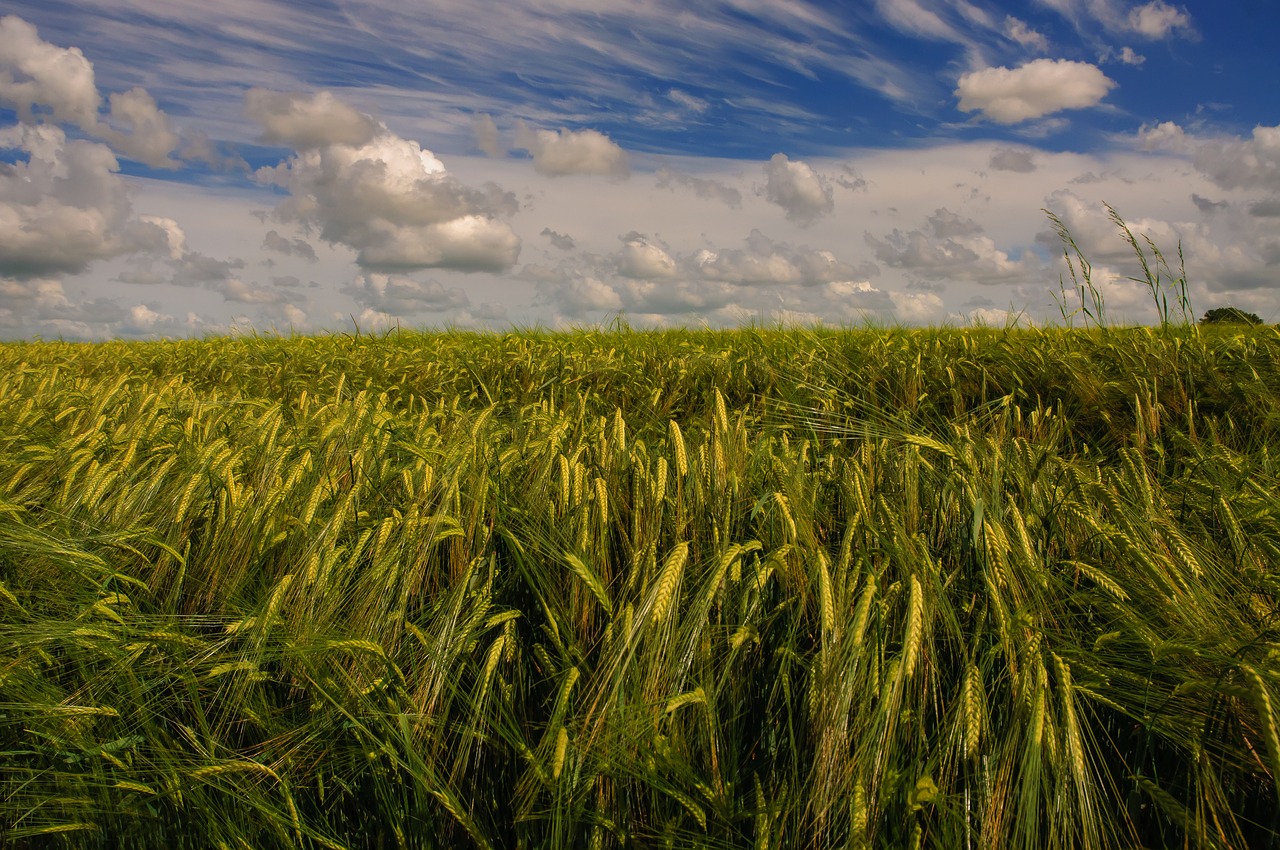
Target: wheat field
764,588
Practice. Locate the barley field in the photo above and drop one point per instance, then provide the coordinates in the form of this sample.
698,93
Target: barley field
763,588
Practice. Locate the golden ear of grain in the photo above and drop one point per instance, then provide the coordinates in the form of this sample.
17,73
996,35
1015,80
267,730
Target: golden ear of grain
862,613
973,699
915,629
590,579
678,448
826,600
668,581
562,748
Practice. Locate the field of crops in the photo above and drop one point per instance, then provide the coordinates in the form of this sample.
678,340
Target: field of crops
760,588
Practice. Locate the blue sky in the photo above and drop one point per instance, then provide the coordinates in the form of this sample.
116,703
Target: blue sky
200,167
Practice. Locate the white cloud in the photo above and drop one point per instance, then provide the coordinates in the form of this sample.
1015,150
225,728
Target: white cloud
397,295
1231,162
1237,163
765,261
578,296
37,75
1166,136
1157,19
804,194
150,138
1130,57
65,206
40,80
557,153
953,248
387,197
1025,35
1033,90
305,122
642,259
917,308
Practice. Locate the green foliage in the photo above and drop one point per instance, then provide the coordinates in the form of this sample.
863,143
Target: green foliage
989,588
1230,316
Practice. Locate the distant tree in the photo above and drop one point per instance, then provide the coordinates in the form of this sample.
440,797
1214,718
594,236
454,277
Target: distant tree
1230,316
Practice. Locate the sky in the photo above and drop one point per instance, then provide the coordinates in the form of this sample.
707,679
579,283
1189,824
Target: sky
184,168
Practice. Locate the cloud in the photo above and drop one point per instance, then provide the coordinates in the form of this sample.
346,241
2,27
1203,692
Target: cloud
486,133
804,194
1025,35
1020,161
1265,209
1238,163
704,187
952,247
643,259
687,101
917,307
386,197
150,138
1157,19
577,296
36,75
273,241
235,289
1207,206
558,153
765,261
1231,162
306,122
559,240
943,223
1038,88
65,207
40,80
397,295
1130,57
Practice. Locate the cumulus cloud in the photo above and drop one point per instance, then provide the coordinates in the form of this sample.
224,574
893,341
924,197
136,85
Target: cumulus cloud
397,295
386,197
952,247
1157,19
558,153
917,308
36,75
65,207
1238,163
308,121
39,81
765,261
1033,90
1013,159
1231,162
644,259
150,138
804,194
235,289
579,295
704,187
